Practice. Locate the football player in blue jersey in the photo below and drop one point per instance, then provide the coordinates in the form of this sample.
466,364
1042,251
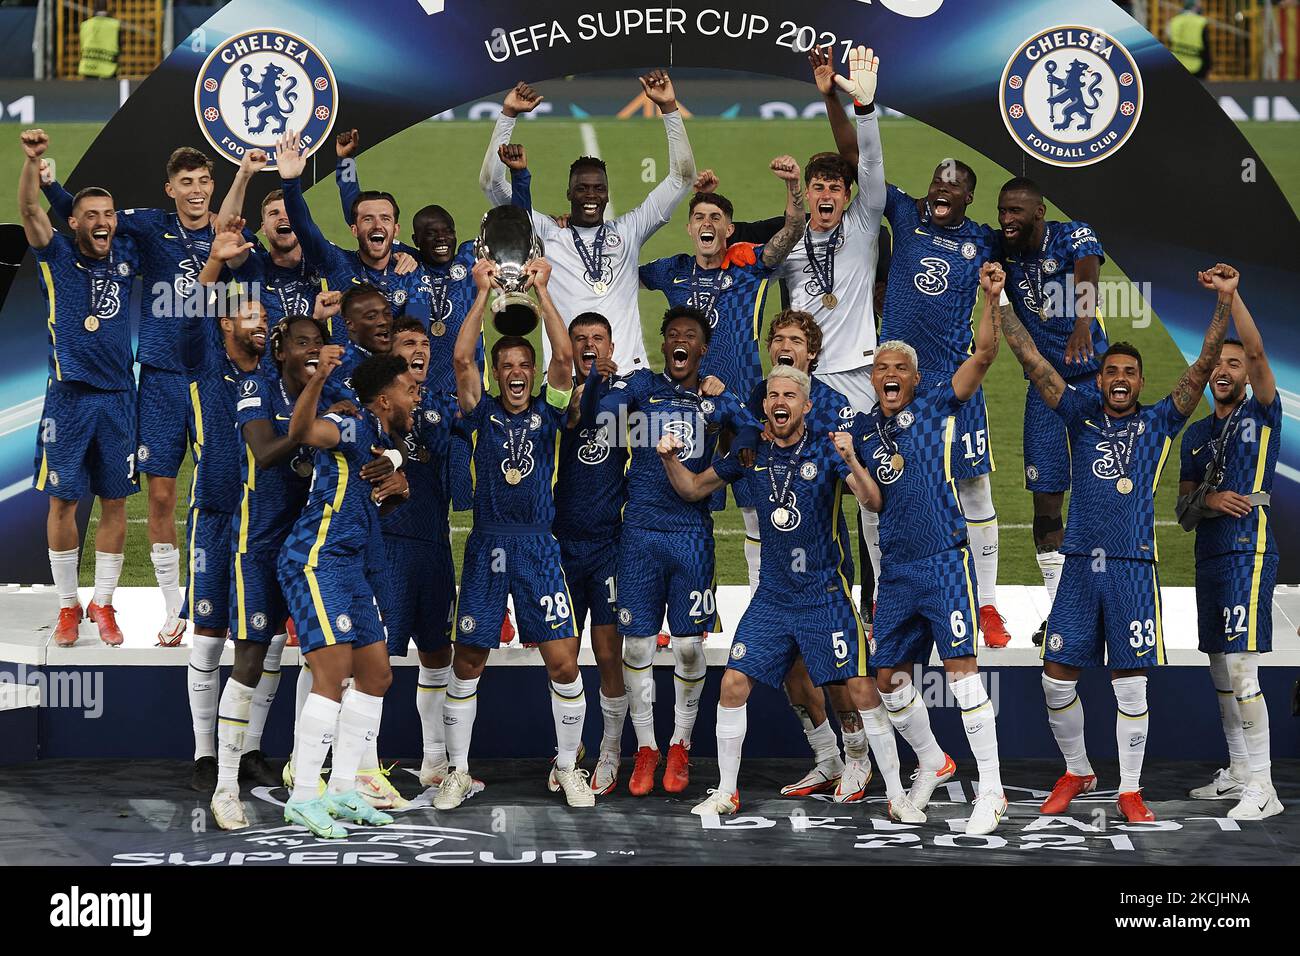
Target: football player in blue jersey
803,608
511,552
86,441
323,570
1052,272
417,541
1228,461
794,339
173,245
1107,610
665,550
589,496
927,589
218,352
375,224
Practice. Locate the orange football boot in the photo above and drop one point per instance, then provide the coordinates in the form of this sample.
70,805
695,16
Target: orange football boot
1065,790
1133,809
105,619
993,627
677,774
643,772
65,631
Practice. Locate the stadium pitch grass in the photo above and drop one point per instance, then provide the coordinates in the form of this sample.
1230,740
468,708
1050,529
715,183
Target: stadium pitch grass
438,162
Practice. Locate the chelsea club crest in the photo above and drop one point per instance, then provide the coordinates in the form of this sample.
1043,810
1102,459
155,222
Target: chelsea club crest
258,84
1071,95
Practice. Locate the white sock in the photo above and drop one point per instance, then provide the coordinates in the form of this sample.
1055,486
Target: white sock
458,712
1230,717
1254,715
976,496
63,566
313,737
1050,564
1065,717
981,730
731,725
203,678
688,686
302,690
880,735
822,740
236,700
614,712
638,678
753,550
370,755
167,570
908,715
569,711
264,693
871,535
1131,724
855,743
108,568
430,695
358,728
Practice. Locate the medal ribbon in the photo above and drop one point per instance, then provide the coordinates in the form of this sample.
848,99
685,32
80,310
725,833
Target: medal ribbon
1127,434
792,466
824,271
594,262
1036,273
98,292
1217,466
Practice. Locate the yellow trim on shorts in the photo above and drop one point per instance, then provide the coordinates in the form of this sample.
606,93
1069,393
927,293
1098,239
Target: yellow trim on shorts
242,631
340,490
473,475
1155,483
48,279
243,501
43,472
318,603
1160,631
837,499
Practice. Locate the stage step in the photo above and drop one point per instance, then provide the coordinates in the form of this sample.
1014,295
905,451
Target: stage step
19,702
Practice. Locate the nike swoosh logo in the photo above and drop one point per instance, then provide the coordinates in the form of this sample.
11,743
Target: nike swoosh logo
920,232
656,401
679,280
959,643
760,467
1197,451
281,418
1143,653
168,235
558,626
497,420
840,664
1234,637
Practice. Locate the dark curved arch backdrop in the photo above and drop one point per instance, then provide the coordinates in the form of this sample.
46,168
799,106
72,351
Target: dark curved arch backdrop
1177,195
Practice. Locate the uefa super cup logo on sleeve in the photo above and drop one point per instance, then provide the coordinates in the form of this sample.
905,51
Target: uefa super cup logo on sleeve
257,85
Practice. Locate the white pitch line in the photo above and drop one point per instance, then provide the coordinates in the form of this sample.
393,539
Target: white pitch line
590,147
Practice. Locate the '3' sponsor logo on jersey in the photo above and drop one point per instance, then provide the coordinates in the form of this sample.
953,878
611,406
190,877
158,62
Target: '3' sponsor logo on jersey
934,280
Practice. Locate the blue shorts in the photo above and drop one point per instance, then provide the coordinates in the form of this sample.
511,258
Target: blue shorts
665,569
1234,602
776,628
972,447
1108,616
257,605
460,475
420,594
207,594
162,422
525,567
590,568
930,601
86,444
332,603
1047,448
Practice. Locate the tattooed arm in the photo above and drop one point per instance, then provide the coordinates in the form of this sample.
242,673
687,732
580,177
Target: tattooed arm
1040,371
778,247
1187,393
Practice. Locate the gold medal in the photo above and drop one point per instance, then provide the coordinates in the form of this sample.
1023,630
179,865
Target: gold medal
514,476
600,287
829,300
438,328
780,516
92,323
896,462
1124,486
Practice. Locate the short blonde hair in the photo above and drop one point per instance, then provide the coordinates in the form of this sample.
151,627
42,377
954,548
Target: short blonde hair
798,376
898,345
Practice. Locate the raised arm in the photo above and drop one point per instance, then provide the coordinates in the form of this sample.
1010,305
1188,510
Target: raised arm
657,208
36,222
1187,393
291,163
1040,372
559,372
1087,273
345,171
515,158
864,66
60,199
688,485
860,482
469,380
778,247
229,248
1262,382
970,374
232,207
492,176
305,428
822,61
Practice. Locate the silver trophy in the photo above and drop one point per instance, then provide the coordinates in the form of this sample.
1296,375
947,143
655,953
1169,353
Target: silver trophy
506,237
